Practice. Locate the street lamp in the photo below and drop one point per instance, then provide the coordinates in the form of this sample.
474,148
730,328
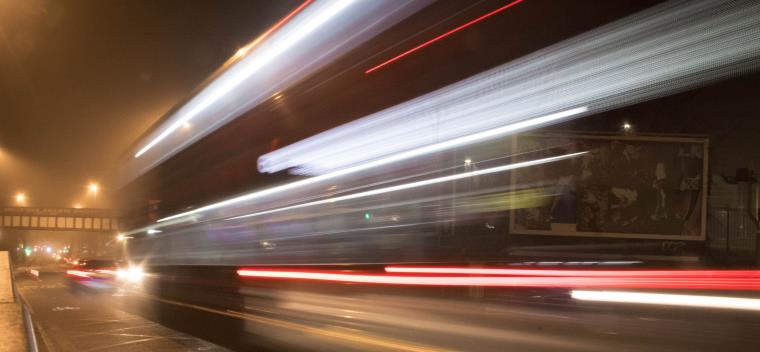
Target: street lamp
627,127
20,199
93,189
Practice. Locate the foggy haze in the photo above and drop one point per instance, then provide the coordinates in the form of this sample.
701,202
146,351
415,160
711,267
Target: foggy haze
80,80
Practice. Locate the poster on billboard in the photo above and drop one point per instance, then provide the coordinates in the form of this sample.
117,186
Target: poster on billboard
651,187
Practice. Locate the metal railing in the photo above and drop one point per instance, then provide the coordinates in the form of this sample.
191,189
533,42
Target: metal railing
31,339
732,236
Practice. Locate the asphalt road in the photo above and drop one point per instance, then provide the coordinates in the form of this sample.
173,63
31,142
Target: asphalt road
87,322
69,321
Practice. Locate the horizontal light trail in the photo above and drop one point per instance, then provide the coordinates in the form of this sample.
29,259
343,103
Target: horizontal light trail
232,79
469,139
442,36
416,184
511,281
668,299
107,271
578,273
663,50
78,273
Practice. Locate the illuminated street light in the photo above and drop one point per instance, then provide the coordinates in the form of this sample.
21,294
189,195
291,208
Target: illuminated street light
93,187
77,206
20,199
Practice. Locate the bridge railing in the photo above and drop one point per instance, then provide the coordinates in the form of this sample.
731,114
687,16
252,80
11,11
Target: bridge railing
68,219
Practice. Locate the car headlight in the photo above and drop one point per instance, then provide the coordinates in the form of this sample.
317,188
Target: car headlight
132,274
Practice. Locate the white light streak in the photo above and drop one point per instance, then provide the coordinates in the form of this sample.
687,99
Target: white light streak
477,137
250,66
415,184
661,51
645,56
668,299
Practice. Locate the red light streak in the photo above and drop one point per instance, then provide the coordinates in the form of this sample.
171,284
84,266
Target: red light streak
444,35
706,274
277,25
706,283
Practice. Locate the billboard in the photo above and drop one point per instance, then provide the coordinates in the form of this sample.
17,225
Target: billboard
649,187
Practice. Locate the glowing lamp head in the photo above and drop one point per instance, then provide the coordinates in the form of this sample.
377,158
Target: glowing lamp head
93,188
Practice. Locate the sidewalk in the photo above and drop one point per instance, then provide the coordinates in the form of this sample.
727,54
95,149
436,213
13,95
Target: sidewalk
12,331
12,334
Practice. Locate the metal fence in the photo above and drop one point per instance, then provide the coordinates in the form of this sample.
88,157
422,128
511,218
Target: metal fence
732,235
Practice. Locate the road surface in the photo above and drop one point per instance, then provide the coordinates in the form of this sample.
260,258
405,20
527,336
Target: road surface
68,321
87,322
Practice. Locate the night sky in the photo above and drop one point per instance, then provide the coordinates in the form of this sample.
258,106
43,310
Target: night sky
80,80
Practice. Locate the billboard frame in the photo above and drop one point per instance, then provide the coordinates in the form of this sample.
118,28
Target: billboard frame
704,140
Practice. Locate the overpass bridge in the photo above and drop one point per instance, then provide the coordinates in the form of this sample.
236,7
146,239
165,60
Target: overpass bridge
59,219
